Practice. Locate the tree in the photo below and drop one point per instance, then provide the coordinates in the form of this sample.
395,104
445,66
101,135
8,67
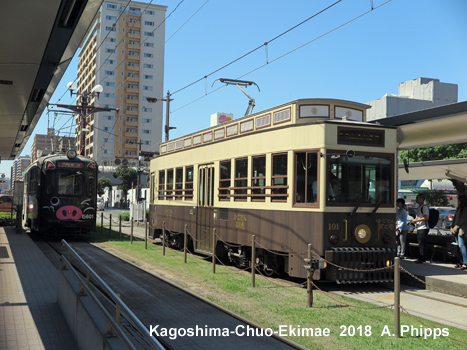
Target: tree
102,184
128,177
455,151
436,199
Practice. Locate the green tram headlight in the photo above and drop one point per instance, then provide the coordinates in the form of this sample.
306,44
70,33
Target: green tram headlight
362,233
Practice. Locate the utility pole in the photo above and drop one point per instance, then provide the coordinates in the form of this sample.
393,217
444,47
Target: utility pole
138,173
84,109
167,126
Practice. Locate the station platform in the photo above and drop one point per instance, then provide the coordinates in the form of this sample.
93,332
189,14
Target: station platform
30,317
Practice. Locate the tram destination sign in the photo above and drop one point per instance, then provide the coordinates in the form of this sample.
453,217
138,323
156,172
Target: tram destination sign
72,165
360,137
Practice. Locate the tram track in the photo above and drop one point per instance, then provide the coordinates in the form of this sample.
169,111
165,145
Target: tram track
154,299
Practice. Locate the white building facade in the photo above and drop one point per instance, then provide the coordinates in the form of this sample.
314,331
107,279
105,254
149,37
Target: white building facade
414,95
124,53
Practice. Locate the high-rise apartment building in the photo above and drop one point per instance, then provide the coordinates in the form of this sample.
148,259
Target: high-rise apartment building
124,53
17,170
45,144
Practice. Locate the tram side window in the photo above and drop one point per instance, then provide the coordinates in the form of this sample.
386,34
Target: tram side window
241,178
33,180
224,181
179,183
153,183
70,184
279,177
306,165
170,183
161,185
189,183
258,178
90,185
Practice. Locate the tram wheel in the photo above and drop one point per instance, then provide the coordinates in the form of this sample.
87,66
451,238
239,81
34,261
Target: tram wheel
268,272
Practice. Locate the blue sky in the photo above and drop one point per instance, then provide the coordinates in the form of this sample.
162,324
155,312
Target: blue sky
361,61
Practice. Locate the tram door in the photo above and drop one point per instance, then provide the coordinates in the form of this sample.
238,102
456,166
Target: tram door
204,219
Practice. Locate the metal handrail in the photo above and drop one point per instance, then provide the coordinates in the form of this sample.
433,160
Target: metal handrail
101,307
131,317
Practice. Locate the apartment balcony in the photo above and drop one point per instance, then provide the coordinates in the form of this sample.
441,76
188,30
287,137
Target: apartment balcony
132,112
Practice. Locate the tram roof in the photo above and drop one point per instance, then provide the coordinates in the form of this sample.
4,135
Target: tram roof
179,143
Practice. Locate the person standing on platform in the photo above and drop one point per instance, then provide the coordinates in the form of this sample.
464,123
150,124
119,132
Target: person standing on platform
401,227
421,225
460,228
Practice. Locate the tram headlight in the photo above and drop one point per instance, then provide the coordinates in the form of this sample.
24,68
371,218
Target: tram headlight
386,239
362,233
71,154
333,239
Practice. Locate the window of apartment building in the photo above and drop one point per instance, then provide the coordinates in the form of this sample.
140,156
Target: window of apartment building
149,55
106,128
110,29
130,141
109,50
147,120
134,31
111,40
133,75
146,142
106,94
109,106
149,44
110,61
149,23
130,153
109,83
107,151
147,76
131,130
146,131
279,176
133,42
149,33
132,86
147,109
133,53
134,20
111,18
147,87
109,72
134,11
108,140
132,119
147,65
132,97
108,117
131,108
133,64
150,12
111,6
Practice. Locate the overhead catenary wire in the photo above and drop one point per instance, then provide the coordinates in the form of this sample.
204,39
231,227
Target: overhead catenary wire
282,56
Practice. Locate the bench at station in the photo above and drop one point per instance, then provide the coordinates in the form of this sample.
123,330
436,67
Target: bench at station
441,244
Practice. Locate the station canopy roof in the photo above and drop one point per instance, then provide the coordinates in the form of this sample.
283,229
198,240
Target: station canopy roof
444,125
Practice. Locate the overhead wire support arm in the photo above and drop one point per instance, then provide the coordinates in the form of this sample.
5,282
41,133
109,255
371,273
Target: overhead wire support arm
239,84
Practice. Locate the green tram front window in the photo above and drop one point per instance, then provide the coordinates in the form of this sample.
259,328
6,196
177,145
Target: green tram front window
363,178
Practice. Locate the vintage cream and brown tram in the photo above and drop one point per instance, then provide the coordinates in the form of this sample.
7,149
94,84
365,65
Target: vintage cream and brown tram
310,171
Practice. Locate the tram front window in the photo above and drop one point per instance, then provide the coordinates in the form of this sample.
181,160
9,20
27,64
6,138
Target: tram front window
70,184
363,178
